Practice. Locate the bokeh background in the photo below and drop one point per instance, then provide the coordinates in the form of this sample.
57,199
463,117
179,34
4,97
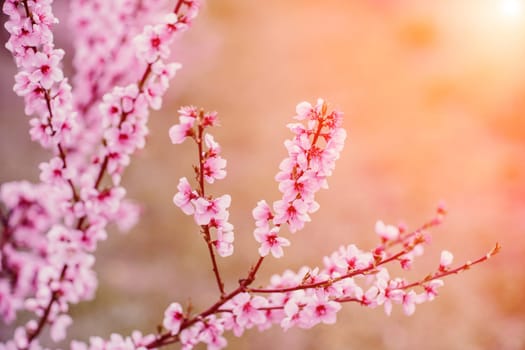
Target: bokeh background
434,98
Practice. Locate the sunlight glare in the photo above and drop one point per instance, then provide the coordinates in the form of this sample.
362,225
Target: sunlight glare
511,8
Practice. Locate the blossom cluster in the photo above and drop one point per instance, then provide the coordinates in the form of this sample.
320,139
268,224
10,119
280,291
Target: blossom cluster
311,295
208,211
312,153
51,230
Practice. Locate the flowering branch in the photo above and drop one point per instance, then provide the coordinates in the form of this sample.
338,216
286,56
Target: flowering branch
73,220
310,296
50,230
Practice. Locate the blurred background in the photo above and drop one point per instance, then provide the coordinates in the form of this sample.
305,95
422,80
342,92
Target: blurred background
434,100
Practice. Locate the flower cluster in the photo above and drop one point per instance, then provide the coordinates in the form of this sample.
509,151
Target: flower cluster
208,212
312,153
51,230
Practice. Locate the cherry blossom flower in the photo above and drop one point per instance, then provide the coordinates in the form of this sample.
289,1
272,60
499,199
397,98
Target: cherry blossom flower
246,309
270,241
179,132
46,68
295,214
387,232
173,317
446,260
184,197
322,310
224,241
262,214
206,210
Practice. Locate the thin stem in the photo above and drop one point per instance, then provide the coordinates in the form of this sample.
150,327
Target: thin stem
461,268
28,12
61,151
6,234
405,237
220,283
102,171
145,76
43,319
206,228
331,281
178,6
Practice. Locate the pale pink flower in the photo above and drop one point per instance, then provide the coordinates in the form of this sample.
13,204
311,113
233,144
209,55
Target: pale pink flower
59,326
210,119
213,169
184,197
322,310
212,333
224,241
431,289
151,44
294,314
409,302
53,172
189,337
303,110
47,70
446,260
294,214
173,317
127,215
303,187
246,309
262,213
270,241
206,210
23,84
153,93
179,132
164,72
386,232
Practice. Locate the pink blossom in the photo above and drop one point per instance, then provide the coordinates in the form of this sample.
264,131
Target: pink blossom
152,44
224,241
189,337
409,302
206,210
164,72
294,314
387,232
173,317
270,241
303,110
210,119
212,333
23,84
184,197
262,214
321,310
127,215
431,289
293,213
46,68
58,329
446,260
213,169
54,172
246,309
179,132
